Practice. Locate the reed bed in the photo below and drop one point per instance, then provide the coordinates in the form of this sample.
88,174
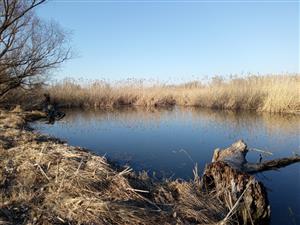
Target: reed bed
271,93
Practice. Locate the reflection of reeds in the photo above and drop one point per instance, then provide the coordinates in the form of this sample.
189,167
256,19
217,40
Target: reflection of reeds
195,117
251,122
273,93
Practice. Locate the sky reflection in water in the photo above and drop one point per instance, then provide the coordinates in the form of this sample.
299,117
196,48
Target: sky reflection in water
169,143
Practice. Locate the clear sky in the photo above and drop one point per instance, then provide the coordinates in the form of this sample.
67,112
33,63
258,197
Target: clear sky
177,40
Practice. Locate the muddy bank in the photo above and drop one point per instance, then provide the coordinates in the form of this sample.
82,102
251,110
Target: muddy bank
46,181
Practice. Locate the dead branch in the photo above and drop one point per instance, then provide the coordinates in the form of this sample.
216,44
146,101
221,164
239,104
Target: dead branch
270,164
235,156
29,47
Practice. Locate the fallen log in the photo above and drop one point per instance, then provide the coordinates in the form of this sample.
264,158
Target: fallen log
230,177
270,164
235,156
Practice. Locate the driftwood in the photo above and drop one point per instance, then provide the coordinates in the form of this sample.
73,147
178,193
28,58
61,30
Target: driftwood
229,175
235,156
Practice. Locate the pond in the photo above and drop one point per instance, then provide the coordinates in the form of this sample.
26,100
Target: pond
168,143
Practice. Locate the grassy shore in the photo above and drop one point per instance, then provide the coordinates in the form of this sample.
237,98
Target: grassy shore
273,93
46,181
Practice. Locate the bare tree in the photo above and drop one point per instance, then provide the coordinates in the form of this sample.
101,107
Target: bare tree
29,47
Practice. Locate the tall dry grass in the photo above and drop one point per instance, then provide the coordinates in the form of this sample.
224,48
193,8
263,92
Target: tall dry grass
272,93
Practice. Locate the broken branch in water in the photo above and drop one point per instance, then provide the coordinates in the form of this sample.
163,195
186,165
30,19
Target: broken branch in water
235,156
262,151
270,164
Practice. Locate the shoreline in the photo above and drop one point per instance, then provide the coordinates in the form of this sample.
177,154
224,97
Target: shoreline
173,107
46,181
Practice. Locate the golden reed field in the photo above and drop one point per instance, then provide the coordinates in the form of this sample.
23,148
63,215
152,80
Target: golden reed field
271,93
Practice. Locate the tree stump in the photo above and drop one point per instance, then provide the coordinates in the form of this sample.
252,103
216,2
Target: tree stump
229,175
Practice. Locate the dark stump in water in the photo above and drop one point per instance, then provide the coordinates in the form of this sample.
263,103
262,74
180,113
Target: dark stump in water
229,176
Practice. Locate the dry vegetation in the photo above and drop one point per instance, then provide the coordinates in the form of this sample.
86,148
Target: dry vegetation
45,181
272,93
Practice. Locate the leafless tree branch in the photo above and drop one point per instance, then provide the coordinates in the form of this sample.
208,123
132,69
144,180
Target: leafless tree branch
29,47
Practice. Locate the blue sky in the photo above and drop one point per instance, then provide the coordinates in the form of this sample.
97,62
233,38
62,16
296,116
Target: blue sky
177,40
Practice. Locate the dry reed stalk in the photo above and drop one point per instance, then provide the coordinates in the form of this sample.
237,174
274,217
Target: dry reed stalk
234,207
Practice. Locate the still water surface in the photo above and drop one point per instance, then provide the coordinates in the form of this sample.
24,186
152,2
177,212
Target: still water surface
168,143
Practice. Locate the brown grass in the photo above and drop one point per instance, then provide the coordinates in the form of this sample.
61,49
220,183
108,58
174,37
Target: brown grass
44,181
271,93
